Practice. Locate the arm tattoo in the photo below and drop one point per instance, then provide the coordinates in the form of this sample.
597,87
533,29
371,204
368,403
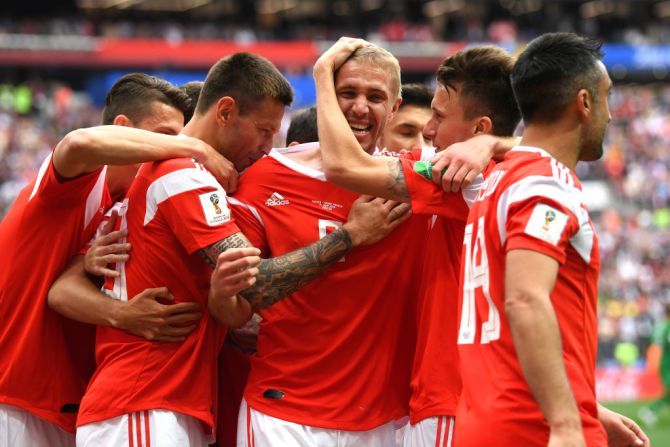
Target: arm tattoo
281,276
395,181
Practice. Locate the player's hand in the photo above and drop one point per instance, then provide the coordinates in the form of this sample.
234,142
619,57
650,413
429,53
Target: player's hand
463,162
245,338
336,55
220,167
621,431
236,270
146,316
372,219
108,248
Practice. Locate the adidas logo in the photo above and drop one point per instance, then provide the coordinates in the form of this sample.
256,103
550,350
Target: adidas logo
276,199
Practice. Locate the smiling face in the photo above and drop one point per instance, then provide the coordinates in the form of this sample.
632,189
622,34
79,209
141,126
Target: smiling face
365,96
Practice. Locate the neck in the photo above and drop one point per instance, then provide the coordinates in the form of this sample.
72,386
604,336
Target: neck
560,139
200,127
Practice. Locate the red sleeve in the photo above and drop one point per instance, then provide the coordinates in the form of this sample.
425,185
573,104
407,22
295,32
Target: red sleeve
429,198
542,225
199,217
50,186
251,224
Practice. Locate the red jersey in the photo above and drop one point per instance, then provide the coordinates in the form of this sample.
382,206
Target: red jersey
529,201
50,220
337,353
436,378
173,209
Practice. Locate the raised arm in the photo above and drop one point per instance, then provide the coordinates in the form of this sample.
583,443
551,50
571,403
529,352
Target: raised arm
370,220
85,150
529,281
345,163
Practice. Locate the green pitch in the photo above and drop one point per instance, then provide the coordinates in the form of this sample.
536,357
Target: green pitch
659,434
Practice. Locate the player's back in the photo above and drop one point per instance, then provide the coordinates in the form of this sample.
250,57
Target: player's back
167,222
50,221
529,201
337,353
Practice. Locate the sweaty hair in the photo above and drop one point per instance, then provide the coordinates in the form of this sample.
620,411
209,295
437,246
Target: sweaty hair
303,127
192,90
417,95
551,70
133,95
248,79
382,59
481,75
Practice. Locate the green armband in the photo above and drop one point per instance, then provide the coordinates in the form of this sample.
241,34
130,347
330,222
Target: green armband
425,169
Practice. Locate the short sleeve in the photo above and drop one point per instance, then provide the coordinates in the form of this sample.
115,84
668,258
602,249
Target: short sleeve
541,224
195,207
429,198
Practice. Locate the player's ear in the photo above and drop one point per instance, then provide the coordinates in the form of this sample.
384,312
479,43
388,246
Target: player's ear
226,110
483,125
123,120
394,109
584,103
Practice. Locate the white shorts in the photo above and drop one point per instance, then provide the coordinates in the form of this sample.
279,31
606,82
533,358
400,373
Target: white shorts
149,428
20,428
255,429
437,431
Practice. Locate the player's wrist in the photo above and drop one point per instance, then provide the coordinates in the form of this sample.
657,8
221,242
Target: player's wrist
352,233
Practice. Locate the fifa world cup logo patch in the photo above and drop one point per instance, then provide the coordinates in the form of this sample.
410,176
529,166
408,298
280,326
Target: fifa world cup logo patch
549,217
215,201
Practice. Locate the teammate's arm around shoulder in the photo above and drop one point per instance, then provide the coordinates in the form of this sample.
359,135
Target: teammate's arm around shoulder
369,221
85,150
529,280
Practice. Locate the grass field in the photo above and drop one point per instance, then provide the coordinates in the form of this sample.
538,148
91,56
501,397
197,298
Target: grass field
659,435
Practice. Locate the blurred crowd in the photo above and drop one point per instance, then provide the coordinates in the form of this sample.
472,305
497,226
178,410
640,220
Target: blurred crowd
505,22
634,230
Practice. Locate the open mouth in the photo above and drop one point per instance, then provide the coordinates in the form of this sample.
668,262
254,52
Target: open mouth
360,130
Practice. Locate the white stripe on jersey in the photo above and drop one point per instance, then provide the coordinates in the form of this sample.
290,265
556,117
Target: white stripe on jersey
551,188
174,183
94,199
471,191
40,175
252,210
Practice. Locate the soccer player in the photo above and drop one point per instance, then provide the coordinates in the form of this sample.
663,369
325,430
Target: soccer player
474,97
234,361
405,130
333,360
41,383
528,325
179,222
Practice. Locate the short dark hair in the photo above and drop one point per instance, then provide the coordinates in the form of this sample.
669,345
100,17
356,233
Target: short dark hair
303,127
132,96
418,95
551,69
192,90
482,75
248,79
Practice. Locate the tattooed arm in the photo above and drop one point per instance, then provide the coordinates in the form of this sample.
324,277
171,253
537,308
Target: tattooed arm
283,275
369,221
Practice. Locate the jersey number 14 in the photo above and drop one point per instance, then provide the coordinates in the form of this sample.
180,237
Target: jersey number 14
476,276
